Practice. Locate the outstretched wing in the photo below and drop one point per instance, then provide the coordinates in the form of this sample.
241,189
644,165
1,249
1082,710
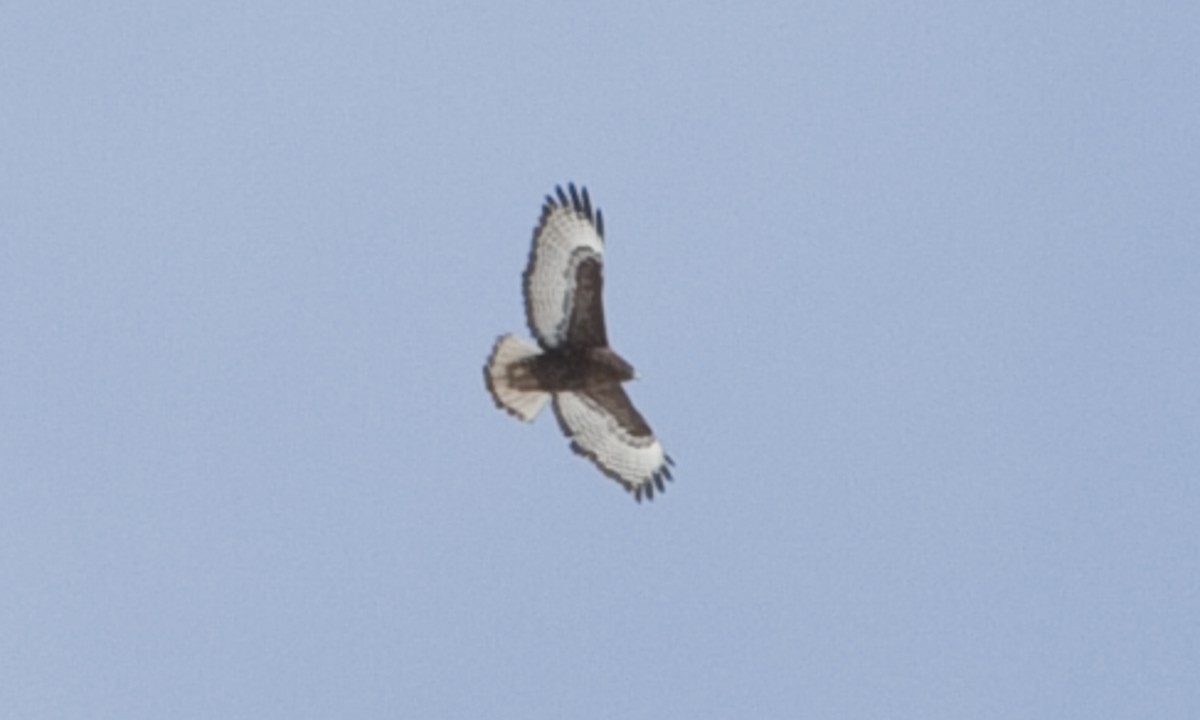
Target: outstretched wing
563,281
605,428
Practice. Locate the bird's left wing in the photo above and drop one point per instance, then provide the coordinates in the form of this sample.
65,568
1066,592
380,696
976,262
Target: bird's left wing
606,428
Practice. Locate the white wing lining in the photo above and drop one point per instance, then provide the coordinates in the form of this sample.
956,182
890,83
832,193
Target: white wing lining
636,461
567,235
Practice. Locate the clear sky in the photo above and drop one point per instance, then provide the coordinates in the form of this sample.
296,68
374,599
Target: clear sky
913,290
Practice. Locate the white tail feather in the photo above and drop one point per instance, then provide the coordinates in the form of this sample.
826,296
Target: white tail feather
524,404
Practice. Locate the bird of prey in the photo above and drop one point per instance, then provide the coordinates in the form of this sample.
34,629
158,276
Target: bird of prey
572,365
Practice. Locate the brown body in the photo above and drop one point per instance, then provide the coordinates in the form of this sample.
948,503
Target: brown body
570,369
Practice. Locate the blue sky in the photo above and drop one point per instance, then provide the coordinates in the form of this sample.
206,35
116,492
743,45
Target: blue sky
914,291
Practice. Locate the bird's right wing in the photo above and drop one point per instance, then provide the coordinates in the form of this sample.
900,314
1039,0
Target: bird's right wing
564,278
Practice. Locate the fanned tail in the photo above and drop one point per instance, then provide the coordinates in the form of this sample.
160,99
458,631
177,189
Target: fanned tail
509,381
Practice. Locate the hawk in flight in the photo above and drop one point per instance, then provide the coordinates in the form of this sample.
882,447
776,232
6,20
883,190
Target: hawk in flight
572,364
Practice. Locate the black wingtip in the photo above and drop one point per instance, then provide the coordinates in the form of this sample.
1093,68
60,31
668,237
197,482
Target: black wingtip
669,460
578,199
575,202
587,203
